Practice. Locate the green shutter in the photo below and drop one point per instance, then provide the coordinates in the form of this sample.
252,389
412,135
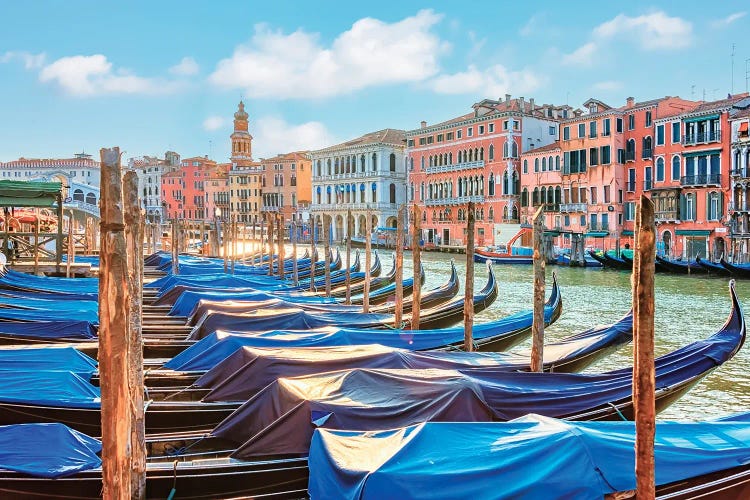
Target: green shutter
721,204
683,207
708,206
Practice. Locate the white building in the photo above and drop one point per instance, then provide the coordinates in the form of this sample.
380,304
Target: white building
149,170
366,173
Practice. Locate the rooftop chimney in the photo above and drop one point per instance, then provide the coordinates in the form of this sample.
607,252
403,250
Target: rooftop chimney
507,97
521,104
424,124
631,102
531,104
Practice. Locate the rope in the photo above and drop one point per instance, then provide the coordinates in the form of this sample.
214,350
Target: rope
173,491
618,411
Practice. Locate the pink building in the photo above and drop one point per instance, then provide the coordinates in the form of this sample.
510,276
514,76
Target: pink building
476,158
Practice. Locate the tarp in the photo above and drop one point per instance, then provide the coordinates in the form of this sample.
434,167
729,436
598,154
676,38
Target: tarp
29,193
281,418
68,329
49,315
188,299
205,307
532,457
22,359
48,388
47,450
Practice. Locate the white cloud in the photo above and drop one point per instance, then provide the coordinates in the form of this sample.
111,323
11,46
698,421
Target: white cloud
273,135
582,56
608,85
30,61
532,26
213,123
493,81
297,65
720,23
85,76
652,31
186,67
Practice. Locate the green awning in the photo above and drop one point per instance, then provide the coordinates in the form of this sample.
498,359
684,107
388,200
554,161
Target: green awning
705,152
692,232
552,233
702,118
627,232
29,193
597,234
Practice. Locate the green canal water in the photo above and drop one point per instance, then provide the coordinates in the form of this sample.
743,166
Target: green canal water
687,309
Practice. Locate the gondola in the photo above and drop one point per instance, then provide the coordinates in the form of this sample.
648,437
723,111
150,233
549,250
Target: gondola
599,258
679,267
737,270
711,267
429,299
616,262
376,283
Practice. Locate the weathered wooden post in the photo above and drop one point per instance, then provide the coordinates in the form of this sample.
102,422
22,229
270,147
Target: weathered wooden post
537,324
69,259
134,242
36,244
233,232
59,242
469,288
368,253
225,242
271,253
416,254
399,312
295,269
282,250
114,311
313,257
262,242
175,249
327,250
643,333
348,299
203,238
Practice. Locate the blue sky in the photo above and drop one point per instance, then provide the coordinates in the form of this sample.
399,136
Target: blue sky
158,75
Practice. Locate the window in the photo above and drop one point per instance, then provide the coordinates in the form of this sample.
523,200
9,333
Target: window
505,125
430,140
620,155
491,128
566,133
660,135
648,118
619,196
552,130
592,130
481,129
422,141
458,134
606,194
581,130
660,169
606,127
557,163
536,164
629,209
516,125
544,164
526,166
713,205
469,132
449,136
605,155
688,207
410,143
675,168
440,137
631,122
675,132
618,125
594,193
594,156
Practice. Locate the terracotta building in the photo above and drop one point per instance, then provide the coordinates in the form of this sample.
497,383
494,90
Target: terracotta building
476,158
739,205
183,190
286,184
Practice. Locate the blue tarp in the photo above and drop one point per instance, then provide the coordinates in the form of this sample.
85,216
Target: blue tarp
48,388
65,285
47,359
47,450
187,301
70,329
49,315
532,457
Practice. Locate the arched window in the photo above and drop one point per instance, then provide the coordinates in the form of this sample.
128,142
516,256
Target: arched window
544,164
506,149
525,197
78,195
450,158
491,152
392,193
536,164
630,150
336,166
362,163
660,169
91,199
411,163
374,162
421,163
647,142
392,162
481,154
557,163
525,166
491,183
676,168
535,197
319,168
491,215
329,166
515,150
471,155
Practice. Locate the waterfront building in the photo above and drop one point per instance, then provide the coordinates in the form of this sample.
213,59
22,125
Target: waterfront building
476,157
79,177
217,191
245,191
286,184
183,190
739,204
150,170
366,173
541,185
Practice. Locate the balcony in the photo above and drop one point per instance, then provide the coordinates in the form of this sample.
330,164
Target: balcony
551,207
701,180
572,207
667,216
630,186
647,154
743,173
387,174
455,167
598,226
269,209
384,206
459,200
629,155
702,137
737,207
648,185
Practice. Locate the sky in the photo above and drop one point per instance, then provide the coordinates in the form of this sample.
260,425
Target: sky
152,76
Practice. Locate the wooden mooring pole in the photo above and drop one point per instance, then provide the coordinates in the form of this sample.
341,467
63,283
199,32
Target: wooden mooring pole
282,250
399,312
175,249
469,288
134,242
537,324
349,224
313,258
271,227
416,254
295,266
71,246
36,245
327,250
114,311
368,252
643,334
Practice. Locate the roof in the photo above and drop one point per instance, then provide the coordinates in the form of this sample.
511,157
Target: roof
385,136
542,149
720,104
294,156
740,114
29,193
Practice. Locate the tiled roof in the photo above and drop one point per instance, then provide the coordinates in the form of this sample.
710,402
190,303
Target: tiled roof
541,149
740,113
385,136
720,104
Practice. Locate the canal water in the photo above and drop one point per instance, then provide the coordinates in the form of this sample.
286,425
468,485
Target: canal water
687,309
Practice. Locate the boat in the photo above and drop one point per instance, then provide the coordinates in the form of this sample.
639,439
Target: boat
507,253
598,257
563,259
614,262
736,270
475,458
429,298
679,267
376,282
712,267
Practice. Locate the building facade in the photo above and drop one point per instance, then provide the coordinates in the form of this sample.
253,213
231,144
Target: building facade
476,158
286,184
739,204
150,170
245,179
365,174
183,190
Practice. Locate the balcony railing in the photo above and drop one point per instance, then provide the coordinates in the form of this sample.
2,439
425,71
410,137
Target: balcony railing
321,207
551,207
598,226
459,200
738,207
667,215
629,155
359,175
702,137
741,172
630,186
455,167
648,185
701,180
647,153
572,207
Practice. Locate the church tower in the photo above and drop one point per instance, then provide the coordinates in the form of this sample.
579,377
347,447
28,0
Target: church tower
241,139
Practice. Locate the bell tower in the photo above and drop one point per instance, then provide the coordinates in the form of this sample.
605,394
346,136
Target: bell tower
242,141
